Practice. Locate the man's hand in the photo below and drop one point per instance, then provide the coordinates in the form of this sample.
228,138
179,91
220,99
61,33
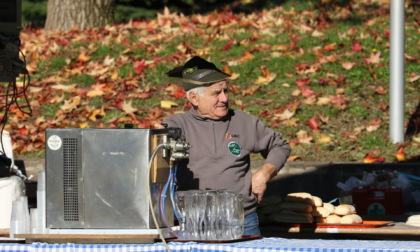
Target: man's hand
260,179
158,126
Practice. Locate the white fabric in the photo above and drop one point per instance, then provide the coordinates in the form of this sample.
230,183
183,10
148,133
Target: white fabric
11,188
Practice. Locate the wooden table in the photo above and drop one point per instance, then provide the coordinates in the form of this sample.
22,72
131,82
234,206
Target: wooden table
394,231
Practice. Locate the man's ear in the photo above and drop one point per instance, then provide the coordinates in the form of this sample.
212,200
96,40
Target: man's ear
194,99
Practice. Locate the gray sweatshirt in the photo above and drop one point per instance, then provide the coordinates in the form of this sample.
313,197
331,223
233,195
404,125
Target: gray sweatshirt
220,152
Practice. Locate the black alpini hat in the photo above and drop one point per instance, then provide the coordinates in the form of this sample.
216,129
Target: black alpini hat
197,72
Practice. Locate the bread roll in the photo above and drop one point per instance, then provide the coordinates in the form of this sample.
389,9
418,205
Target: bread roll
333,219
317,201
328,206
301,197
321,212
344,209
288,216
351,219
319,219
296,206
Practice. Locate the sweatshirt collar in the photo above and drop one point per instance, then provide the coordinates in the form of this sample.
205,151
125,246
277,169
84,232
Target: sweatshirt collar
206,119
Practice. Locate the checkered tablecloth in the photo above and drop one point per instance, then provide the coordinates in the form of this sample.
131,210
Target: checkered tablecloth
261,245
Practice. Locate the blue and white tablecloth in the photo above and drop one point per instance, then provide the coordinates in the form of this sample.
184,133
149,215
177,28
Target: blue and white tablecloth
260,245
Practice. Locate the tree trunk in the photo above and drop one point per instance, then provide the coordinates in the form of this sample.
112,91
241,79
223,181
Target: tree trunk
81,14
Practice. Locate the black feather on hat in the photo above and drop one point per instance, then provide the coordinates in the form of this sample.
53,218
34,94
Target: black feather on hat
197,72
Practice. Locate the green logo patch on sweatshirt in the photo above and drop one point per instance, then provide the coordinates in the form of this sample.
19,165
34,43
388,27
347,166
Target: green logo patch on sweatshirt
235,149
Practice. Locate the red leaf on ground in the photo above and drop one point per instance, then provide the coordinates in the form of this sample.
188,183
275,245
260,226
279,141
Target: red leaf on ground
369,158
139,66
303,81
307,92
179,93
313,123
145,95
356,47
228,45
330,47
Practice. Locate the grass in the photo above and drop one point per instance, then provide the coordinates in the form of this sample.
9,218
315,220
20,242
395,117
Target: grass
297,40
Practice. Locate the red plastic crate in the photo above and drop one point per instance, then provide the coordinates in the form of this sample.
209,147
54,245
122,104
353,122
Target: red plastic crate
375,201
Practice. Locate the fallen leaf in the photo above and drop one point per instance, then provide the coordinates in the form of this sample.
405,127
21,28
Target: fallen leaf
97,90
286,114
369,158
71,104
167,104
83,125
228,45
35,89
294,158
57,99
313,123
330,47
293,143
296,92
323,101
381,91
348,65
67,88
413,77
234,76
374,58
292,122
307,91
267,76
373,125
246,57
317,33
339,100
251,90
401,156
356,47
178,93
304,137
323,139
302,82
139,66
128,108
83,57
311,100
283,47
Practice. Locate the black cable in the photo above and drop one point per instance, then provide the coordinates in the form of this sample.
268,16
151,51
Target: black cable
12,93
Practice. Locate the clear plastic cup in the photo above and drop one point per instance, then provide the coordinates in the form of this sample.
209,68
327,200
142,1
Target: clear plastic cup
34,220
41,181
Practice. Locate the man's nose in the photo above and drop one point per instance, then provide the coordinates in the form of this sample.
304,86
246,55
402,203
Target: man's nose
223,96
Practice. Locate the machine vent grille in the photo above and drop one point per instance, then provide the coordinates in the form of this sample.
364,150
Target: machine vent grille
70,180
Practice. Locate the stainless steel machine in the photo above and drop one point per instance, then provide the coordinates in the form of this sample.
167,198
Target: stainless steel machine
101,179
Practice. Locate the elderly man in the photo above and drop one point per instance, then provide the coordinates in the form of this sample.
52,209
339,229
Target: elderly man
222,140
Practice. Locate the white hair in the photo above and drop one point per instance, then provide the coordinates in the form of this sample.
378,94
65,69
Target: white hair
197,90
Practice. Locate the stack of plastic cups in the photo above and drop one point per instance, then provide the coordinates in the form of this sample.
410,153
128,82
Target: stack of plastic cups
20,220
41,204
27,217
33,213
15,221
